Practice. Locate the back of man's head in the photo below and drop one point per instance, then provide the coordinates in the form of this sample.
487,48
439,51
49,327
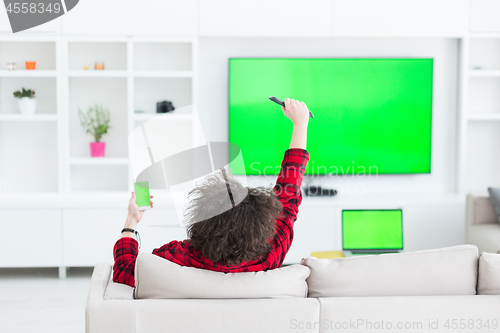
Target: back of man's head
239,234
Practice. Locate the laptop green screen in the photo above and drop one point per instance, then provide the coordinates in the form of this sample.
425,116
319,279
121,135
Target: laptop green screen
372,229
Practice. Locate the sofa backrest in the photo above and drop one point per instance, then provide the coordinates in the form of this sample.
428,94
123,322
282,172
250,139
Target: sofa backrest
479,210
447,271
488,281
156,277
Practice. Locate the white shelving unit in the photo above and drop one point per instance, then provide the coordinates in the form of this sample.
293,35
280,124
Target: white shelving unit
97,74
164,74
30,145
479,116
99,161
28,73
146,71
48,152
483,116
484,73
35,117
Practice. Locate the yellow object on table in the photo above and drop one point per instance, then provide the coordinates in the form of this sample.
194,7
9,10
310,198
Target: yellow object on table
328,254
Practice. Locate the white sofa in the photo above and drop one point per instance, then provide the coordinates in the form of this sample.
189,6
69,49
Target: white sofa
481,223
425,291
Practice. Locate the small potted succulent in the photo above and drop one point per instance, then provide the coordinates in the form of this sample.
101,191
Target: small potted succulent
95,122
26,101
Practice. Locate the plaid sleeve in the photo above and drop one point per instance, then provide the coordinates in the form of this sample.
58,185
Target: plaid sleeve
288,192
125,253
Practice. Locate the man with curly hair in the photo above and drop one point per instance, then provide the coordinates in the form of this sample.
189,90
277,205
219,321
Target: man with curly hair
254,235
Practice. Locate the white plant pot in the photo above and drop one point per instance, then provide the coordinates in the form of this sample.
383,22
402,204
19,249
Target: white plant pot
27,105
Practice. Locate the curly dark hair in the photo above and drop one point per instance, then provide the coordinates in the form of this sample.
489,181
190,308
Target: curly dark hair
241,233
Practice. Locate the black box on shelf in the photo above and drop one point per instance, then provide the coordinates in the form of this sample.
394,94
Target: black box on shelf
164,107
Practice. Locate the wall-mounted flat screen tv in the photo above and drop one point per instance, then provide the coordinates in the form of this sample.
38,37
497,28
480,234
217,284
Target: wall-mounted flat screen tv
371,116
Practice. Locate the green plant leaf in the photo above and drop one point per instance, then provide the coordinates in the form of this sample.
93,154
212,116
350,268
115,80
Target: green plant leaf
95,121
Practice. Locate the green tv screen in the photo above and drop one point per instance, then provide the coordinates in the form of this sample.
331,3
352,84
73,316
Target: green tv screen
371,116
372,229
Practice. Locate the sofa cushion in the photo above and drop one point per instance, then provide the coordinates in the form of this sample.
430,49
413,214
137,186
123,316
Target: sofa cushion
488,280
495,199
447,271
293,315
156,277
409,314
118,291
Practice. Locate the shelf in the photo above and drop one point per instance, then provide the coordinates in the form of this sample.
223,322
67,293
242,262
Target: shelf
173,116
29,73
99,161
164,74
484,73
22,117
98,73
99,175
483,116
485,35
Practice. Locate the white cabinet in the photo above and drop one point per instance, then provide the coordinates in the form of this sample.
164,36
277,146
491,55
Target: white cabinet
436,18
131,17
30,238
265,18
90,234
484,15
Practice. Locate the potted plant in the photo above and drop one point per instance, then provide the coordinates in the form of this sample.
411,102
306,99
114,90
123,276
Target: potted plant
95,122
26,101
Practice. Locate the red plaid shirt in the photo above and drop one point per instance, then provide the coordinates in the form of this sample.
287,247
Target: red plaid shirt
182,252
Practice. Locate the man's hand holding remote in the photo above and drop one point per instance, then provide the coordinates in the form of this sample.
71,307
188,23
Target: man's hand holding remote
298,113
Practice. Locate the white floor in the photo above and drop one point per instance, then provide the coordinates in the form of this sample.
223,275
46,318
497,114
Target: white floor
36,300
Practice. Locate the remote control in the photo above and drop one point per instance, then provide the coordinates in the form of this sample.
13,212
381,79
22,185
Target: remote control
280,102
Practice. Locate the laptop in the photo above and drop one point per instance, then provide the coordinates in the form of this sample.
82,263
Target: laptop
372,231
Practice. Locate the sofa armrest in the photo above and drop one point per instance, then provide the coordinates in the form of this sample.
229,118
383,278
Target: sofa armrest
479,210
99,281
104,316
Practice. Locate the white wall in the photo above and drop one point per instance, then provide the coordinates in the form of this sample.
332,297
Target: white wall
278,18
213,105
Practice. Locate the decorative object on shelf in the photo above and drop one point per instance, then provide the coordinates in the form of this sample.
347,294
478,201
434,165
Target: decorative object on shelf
26,101
95,122
164,107
138,111
30,65
99,66
85,68
11,66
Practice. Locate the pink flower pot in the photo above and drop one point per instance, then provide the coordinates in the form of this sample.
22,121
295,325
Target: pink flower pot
97,149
